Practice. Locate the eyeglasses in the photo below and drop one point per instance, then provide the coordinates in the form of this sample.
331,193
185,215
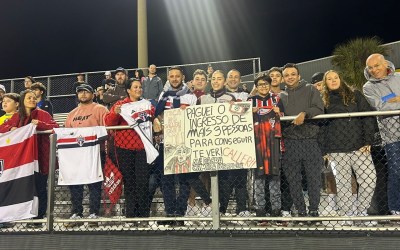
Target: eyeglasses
264,85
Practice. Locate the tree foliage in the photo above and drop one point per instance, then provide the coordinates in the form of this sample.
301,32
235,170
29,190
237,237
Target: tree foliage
350,58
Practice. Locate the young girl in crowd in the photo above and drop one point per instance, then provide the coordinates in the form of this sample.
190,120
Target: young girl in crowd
348,142
29,113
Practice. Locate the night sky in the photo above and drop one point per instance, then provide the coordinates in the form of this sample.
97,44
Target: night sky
43,37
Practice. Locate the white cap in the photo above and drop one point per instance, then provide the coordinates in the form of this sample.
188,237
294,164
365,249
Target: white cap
107,73
3,88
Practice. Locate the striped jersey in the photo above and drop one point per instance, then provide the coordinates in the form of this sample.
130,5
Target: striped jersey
139,115
79,154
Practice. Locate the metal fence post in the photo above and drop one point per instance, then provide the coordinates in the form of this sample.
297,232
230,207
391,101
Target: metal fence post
48,86
254,68
12,86
259,64
215,200
51,181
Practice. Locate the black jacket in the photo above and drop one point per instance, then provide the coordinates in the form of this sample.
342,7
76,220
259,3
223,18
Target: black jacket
347,134
303,98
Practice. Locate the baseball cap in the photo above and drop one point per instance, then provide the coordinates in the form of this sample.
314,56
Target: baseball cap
317,77
84,86
120,69
3,88
100,88
107,73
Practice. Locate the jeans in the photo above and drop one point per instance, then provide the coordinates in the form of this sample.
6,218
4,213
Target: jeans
229,180
393,159
94,200
135,172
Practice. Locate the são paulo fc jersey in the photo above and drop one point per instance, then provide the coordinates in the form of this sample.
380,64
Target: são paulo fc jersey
79,154
139,115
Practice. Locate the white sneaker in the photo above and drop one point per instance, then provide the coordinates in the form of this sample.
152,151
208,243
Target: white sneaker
244,214
206,211
286,214
93,223
395,213
74,223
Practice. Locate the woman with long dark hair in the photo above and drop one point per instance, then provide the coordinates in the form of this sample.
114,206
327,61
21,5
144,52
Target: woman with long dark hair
29,113
139,75
347,141
130,149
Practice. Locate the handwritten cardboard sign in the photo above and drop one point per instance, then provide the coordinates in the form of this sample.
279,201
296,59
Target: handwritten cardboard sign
209,137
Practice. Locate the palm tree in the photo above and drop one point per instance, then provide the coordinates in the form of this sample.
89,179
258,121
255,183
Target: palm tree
350,58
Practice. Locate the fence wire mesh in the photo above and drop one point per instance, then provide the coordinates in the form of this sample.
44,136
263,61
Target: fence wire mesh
349,191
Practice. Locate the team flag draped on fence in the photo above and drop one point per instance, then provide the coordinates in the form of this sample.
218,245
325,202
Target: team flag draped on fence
112,183
18,164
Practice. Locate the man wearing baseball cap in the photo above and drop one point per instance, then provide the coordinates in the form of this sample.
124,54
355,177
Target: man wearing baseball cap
316,80
118,92
87,114
108,81
2,92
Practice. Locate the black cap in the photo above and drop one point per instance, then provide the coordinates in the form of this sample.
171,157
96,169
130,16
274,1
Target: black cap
317,77
84,86
120,69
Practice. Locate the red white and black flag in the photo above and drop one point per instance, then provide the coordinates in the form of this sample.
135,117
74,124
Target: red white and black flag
18,163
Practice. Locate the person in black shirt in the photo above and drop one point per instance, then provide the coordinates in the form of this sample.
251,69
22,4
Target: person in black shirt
40,91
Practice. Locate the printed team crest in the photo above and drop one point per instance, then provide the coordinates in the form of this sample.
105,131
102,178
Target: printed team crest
1,167
141,116
80,140
239,108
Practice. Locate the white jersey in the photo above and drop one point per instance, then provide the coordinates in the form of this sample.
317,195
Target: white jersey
240,96
79,154
189,99
139,116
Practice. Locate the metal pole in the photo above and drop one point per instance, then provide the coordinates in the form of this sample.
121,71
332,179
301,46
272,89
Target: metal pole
51,181
215,200
48,87
259,64
254,68
12,86
143,60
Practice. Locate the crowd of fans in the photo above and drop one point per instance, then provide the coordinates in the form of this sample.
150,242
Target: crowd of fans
290,155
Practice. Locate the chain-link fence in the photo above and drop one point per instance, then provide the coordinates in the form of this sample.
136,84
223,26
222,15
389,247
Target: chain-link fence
62,95
341,190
